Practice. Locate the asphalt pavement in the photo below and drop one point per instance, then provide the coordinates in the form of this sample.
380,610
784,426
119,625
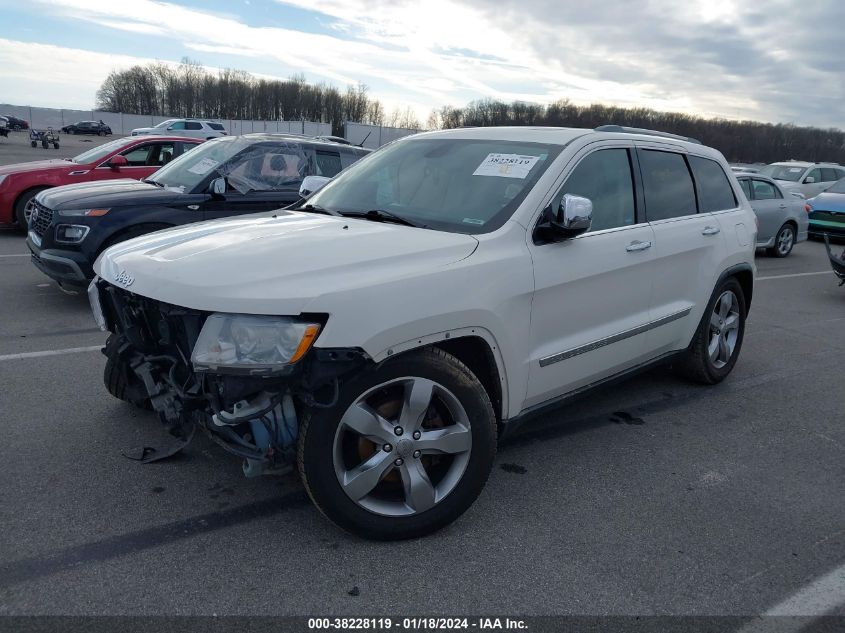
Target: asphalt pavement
654,496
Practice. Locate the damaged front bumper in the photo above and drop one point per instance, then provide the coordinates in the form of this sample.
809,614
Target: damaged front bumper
252,416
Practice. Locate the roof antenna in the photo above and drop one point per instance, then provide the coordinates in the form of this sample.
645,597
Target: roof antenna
361,144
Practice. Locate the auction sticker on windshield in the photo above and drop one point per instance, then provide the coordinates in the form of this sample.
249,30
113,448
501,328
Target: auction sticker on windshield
506,165
204,166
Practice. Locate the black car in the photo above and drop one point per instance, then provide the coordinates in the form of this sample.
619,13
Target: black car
232,175
15,123
88,127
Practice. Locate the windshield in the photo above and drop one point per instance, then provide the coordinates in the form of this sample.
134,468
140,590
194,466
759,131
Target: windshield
101,151
783,172
247,165
456,185
837,187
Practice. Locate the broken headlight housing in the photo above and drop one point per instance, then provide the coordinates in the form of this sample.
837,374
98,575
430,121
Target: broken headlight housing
254,345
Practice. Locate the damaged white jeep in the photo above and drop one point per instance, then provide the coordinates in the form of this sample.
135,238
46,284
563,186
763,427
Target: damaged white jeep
383,333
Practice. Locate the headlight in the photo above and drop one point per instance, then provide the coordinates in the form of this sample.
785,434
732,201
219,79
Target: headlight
252,344
91,213
71,233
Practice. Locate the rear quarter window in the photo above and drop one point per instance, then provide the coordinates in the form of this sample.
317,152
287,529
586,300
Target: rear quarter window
216,126
714,189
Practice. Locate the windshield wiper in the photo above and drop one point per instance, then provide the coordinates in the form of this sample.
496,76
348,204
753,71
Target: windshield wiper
153,182
314,208
380,215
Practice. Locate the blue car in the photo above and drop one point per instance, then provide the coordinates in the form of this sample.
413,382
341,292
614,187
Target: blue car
827,211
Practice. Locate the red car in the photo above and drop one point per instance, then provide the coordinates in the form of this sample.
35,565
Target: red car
134,157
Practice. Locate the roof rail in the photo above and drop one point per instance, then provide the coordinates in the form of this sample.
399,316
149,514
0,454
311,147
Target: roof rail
639,130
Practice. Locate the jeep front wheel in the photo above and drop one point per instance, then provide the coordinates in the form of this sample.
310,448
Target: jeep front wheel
405,450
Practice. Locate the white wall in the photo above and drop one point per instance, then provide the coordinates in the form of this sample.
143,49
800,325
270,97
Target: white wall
373,136
41,118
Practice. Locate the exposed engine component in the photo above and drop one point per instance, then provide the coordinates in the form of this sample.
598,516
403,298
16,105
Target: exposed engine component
272,430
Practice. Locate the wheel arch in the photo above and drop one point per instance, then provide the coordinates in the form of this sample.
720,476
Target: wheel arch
744,274
475,347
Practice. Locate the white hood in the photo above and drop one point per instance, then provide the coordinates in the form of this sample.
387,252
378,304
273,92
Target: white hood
274,265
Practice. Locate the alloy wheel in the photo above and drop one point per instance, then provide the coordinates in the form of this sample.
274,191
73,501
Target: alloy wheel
724,329
785,239
402,446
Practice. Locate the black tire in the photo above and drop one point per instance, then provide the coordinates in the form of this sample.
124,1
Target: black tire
20,206
56,145
33,144
696,363
785,234
101,133
120,380
317,436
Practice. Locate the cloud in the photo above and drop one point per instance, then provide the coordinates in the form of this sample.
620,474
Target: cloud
776,62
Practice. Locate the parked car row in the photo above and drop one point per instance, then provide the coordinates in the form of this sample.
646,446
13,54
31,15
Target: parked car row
70,226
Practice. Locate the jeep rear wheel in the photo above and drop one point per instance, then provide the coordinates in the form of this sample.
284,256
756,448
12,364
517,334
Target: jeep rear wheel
405,450
715,347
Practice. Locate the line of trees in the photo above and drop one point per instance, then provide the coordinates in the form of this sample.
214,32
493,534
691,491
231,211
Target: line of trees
189,90
740,141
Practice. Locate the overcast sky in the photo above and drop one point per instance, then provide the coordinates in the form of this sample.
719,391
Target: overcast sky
770,60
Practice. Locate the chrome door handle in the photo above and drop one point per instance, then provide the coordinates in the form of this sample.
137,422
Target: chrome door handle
710,230
637,245
782,206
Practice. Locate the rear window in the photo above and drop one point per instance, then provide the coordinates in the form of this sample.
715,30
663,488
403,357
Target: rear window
216,126
714,190
667,185
193,125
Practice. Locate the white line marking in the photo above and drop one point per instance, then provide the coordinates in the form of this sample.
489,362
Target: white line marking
820,597
821,272
51,352
17,255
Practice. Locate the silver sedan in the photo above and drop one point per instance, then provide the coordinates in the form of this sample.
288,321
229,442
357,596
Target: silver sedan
781,216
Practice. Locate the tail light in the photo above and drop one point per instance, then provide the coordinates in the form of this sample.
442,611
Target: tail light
807,208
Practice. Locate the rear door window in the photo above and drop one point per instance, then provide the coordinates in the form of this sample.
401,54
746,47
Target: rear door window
828,174
714,190
765,190
746,187
667,185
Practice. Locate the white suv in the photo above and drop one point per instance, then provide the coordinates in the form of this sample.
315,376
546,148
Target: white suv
386,332
193,128
808,179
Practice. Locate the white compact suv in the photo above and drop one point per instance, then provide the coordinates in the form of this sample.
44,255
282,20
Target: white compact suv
193,128
808,179
384,333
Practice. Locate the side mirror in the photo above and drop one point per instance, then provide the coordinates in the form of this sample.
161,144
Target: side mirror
311,184
809,180
573,216
217,187
118,161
